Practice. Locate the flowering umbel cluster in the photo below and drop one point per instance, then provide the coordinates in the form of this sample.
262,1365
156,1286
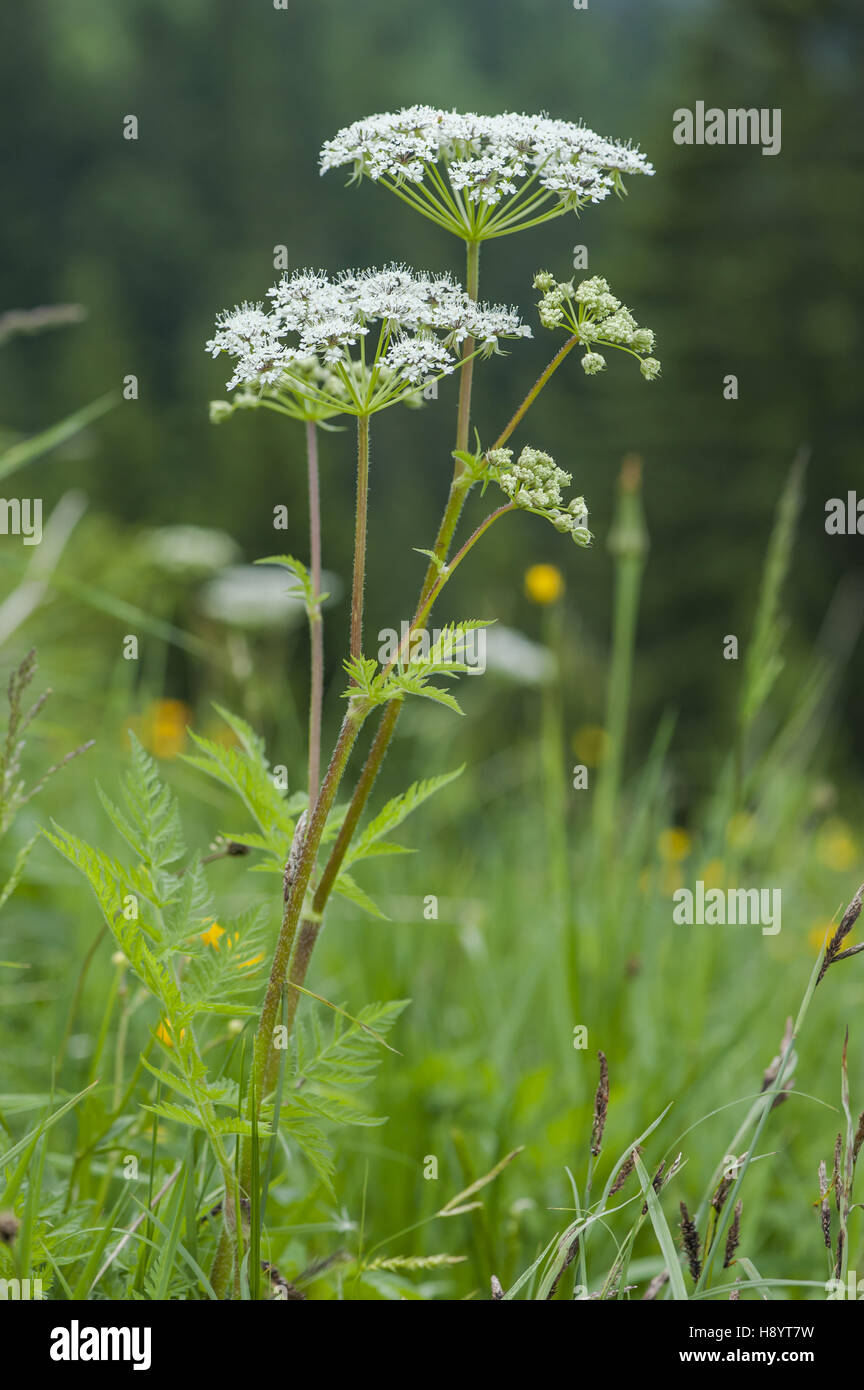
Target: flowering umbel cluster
303,343
594,315
534,482
487,161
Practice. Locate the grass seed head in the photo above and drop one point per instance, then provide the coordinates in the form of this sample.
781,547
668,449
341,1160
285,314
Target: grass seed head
626,1169
601,1106
833,952
690,1241
733,1236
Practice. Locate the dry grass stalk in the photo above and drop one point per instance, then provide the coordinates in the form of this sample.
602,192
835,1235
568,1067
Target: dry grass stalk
655,1286
825,1205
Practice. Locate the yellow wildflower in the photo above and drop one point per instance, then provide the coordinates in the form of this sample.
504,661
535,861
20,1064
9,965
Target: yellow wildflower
165,1032
544,584
673,844
211,936
163,729
835,847
714,874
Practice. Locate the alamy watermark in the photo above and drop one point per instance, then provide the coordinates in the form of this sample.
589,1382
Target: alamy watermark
441,647
844,516
735,126
852,1289
20,1290
757,907
21,516
76,1343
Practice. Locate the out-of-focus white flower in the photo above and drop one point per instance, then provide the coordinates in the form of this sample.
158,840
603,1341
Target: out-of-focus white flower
511,654
257,598
489,161
189,551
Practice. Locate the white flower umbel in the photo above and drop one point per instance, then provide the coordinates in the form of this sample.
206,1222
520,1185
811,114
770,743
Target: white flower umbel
484,176
312,345
534,482
592,314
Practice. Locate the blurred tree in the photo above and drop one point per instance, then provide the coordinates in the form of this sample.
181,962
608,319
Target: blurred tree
743,264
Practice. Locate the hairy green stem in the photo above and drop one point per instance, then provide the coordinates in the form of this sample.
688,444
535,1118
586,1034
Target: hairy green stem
459,487
460,484
362,508
310,930
529,400
266,1063
316,627
466,381
266,1057
266,1060
432,586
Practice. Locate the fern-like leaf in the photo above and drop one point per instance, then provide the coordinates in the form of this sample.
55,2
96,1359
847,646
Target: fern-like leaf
347,887
246,771
395,812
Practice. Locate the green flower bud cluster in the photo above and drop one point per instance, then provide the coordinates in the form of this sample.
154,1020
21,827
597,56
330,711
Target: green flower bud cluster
591,312
551,306
534,481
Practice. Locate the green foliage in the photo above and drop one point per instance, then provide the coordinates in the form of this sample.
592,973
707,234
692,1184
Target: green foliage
14,793
369,844
499,985
305,587
411,674
328,1070
764,659
152,829
159,911
160,917
162,921
397,809
27,450
246,771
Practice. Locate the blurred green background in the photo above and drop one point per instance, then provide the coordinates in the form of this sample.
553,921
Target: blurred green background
741,264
